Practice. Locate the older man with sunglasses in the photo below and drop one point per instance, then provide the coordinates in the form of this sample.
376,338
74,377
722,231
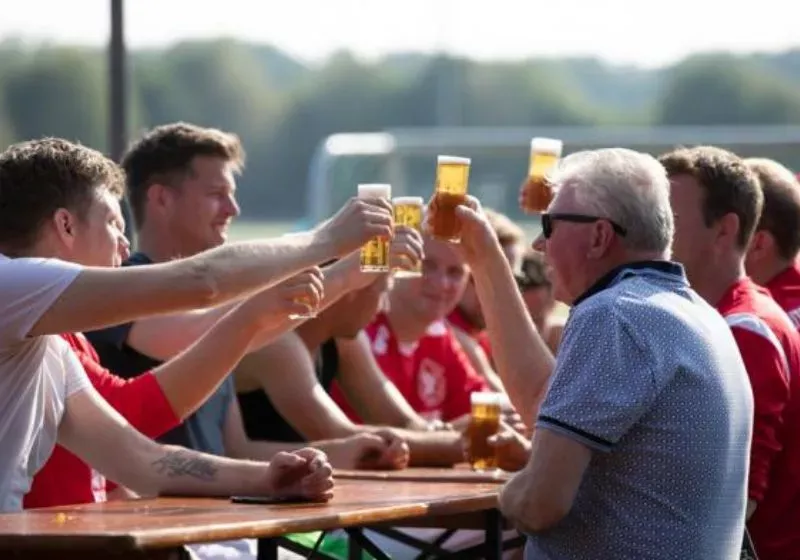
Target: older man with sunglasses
643,429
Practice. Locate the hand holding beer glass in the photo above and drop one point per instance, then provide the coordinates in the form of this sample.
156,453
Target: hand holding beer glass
375,253
302,294
484,423
408,211
452,180
536,193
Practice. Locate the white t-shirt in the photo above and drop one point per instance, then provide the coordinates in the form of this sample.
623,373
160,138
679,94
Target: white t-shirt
37,374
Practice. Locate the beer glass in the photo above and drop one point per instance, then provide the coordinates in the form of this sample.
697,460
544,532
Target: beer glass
452,179
408,212
375,253
537,193
484,423
310,314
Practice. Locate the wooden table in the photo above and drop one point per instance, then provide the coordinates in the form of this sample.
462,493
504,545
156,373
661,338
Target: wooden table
459,473
156,528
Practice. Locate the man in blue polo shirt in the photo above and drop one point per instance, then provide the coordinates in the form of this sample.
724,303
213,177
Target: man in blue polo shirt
644,420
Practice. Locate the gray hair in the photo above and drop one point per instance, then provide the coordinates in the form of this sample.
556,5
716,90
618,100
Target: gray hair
627,187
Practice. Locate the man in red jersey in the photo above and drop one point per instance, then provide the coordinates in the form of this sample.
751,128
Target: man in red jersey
415,346
717,203
772,259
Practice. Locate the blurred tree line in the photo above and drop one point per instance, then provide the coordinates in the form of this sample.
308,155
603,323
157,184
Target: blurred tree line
282,108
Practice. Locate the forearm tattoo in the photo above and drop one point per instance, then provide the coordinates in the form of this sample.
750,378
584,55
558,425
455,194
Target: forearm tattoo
185,463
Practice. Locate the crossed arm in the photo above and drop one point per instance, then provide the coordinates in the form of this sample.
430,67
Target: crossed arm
285,371
97,434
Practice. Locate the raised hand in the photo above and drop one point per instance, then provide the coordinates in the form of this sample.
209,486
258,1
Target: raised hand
477,235
405,251
525,198
305,473
407,248
358,221
297,295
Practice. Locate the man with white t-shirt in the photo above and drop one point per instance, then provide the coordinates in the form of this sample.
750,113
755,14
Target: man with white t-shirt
58,201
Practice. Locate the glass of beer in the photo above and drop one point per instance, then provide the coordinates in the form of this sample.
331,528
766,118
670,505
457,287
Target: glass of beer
375,253
310,314
408,212
452,179
536,192
484,423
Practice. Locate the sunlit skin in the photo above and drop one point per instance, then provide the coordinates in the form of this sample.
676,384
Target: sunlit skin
96,239
469,305
435,294
194,215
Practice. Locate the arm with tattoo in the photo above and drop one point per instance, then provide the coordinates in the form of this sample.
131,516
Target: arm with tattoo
97,433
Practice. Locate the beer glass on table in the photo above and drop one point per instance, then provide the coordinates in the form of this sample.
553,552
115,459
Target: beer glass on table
536,191
452,180
375,253
408,211
484,423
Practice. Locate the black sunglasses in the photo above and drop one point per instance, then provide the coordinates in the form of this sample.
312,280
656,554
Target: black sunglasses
548,219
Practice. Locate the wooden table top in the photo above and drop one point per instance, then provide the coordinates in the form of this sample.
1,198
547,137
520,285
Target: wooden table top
170,522
461,473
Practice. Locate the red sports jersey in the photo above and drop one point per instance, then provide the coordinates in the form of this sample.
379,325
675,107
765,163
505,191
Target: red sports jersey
433,374
770,347
785,289
481,336
65,479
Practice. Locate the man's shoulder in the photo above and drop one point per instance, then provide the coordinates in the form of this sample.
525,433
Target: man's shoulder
760,314
651,313
34,276
639,296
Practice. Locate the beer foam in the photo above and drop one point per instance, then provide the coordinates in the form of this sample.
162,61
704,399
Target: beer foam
486,397
547,146
453,160
408,201
375,190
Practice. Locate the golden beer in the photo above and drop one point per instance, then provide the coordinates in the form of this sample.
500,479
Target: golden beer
536,192
408,211
375,253
452,180
484,423
310,314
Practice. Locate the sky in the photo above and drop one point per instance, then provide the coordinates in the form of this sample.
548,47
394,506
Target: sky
621,31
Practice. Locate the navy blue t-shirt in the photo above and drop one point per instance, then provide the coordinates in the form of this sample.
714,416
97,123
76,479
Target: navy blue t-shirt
204,429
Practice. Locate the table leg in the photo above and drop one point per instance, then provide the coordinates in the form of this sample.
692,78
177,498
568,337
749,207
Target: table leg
493,546
267,549
354,550
357,537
